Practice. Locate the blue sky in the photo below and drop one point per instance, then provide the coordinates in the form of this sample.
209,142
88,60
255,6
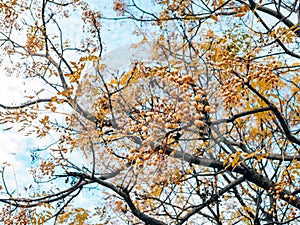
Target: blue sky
16,148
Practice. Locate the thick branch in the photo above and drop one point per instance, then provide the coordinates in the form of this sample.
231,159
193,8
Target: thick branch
277,15
25,104
250,174
212,199
33,202
253,6
280,118
125,195
272,156
274,109
234,117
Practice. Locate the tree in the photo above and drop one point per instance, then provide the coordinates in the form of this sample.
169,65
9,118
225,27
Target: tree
207,132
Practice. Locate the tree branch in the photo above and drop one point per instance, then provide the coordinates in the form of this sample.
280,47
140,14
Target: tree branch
294,27
234,117
212,199
26,104
249,174
274,109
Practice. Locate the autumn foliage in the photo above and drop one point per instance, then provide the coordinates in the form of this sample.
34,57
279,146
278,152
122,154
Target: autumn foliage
203,130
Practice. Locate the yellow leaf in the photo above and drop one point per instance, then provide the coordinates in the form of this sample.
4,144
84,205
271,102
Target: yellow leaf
244,8
295,64
205,46
239,14
44,120
157,191
214,17
221,2
236,159
227,197
33,221
53,99
93,58
250,155
226,160
260,157
41,221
